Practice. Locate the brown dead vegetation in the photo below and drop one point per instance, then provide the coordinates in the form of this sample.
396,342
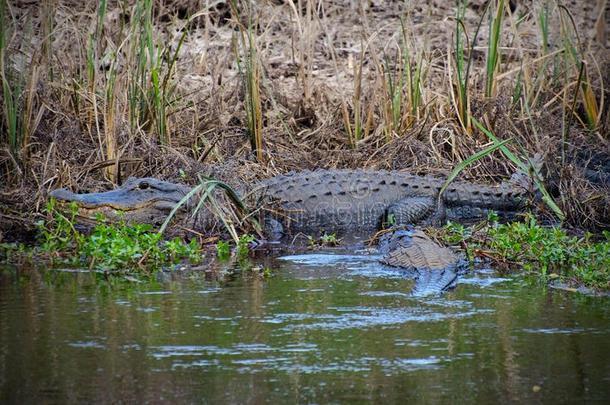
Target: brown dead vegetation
324,76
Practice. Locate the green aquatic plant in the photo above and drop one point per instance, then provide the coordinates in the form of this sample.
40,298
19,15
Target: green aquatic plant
222,251
133,246
548,252
242,249
58,233
242,246
110,247
324,240
329,240
14,253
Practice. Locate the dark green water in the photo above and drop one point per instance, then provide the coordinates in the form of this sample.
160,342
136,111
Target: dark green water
319,331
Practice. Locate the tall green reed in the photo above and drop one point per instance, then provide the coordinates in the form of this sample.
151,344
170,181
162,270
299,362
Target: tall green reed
404,95
248,65
19,118
493,52
151,87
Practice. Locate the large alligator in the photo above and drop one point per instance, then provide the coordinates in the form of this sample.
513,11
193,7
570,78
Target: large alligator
334,200
328,201
321,200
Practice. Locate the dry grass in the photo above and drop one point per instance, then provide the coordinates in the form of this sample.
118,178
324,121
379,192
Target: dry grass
371,84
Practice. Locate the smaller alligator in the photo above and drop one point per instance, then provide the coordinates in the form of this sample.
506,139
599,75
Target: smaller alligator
435,268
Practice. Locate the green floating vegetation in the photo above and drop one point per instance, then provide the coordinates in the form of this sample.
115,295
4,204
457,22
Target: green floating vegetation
546,251
324,240
242,250
223,251
111,248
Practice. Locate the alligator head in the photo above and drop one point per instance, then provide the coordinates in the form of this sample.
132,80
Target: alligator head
144,200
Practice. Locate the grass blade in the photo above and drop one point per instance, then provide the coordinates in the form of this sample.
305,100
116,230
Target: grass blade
209,185
493,55
469,161
546,197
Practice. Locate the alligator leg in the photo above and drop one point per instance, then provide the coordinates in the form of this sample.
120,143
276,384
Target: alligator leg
413,210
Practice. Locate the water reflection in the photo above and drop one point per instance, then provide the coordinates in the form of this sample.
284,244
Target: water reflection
321,330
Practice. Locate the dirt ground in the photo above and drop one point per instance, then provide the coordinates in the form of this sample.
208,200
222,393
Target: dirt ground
324,70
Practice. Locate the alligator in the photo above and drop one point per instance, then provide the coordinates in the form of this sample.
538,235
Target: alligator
329,201
346,200
320,201
435,268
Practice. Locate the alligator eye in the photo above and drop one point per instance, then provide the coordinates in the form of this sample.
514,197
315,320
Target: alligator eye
144,185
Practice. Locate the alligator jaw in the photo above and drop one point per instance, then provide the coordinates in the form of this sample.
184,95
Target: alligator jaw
145,200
